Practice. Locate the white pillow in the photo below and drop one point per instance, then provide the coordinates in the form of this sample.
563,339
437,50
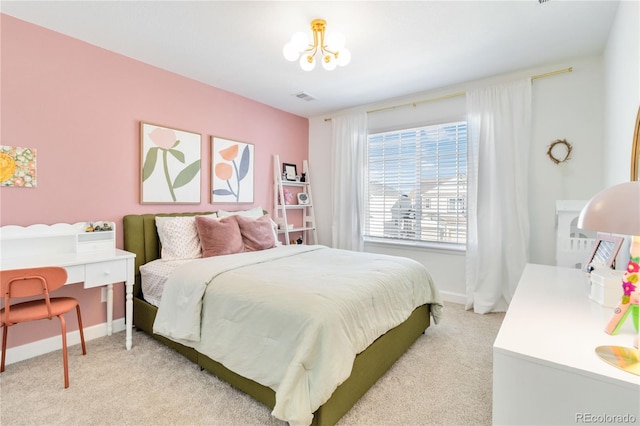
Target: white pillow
179,237
254,213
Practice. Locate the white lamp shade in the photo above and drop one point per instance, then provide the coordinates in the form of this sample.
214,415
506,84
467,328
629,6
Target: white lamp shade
290,52
329,62
344,57
335,41
307,62
615,210
300,41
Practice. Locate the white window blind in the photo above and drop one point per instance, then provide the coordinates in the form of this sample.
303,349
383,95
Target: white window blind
417,184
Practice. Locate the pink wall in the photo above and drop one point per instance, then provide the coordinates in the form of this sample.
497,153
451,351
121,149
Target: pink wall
80,106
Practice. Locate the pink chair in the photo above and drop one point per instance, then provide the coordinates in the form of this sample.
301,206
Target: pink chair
19,283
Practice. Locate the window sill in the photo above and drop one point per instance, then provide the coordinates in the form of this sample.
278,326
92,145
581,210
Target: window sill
447,248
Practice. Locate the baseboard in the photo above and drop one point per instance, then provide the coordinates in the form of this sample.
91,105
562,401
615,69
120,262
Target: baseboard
41,347
448,296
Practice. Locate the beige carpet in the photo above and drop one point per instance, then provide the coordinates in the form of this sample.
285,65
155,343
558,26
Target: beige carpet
444,378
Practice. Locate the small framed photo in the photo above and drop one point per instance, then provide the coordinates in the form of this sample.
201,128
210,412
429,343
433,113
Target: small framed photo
290,171
604,252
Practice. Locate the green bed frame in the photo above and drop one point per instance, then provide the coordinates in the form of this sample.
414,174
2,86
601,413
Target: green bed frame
141,238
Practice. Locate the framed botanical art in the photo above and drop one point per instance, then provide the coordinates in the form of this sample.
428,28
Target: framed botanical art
232,171
17,166
170,171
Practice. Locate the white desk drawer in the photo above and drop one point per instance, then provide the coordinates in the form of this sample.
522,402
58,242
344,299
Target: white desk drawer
101,273
75,274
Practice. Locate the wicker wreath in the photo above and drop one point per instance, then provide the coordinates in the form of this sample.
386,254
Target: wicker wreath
557,159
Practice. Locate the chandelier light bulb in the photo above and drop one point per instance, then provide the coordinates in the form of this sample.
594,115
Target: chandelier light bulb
329,62
300,41
335,41
344,57
290,52
307,62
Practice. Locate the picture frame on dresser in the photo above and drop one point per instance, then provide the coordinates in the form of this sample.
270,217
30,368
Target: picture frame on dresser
170,165
604,252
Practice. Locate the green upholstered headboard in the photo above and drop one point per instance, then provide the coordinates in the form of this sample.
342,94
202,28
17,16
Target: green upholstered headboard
141,238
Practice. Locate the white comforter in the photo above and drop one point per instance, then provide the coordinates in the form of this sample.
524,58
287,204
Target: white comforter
292,318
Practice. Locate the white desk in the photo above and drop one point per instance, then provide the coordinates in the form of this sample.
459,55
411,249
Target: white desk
88,258
545,369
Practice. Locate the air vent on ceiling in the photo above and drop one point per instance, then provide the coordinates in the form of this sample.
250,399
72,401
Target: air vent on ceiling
304,96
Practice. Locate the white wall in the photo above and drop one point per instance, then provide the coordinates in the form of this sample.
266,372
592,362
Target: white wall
622,87
567,106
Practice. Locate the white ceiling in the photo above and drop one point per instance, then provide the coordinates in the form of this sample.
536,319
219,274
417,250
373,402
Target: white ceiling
398,47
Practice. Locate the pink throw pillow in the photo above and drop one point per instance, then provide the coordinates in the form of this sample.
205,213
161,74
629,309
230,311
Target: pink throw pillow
257,234
219,237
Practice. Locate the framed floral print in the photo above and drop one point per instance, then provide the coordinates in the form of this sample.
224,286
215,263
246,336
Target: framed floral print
232,171
170,172
17,166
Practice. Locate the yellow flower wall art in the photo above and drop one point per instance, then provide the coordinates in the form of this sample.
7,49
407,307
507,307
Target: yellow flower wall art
17,166
171,161
232,171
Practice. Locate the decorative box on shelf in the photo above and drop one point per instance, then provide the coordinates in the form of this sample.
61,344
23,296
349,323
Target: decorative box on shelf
606,287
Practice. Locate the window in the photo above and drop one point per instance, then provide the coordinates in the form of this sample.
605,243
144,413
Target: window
456,204
417,185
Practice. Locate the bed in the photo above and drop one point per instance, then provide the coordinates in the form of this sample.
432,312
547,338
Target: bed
338,388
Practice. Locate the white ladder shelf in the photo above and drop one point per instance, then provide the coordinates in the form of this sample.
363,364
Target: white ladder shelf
305,228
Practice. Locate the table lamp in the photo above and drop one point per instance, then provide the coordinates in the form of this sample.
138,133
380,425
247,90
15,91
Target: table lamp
617,210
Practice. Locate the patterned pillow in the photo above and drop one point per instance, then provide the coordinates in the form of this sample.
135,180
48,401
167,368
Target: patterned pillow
178,237
219,236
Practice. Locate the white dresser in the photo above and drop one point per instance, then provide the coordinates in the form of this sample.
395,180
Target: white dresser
545,369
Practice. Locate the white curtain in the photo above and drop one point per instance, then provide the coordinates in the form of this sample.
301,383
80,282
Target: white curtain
499,130
348,149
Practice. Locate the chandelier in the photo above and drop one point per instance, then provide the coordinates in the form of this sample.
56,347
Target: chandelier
330,50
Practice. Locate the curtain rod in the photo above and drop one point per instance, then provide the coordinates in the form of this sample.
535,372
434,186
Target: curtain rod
455,95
